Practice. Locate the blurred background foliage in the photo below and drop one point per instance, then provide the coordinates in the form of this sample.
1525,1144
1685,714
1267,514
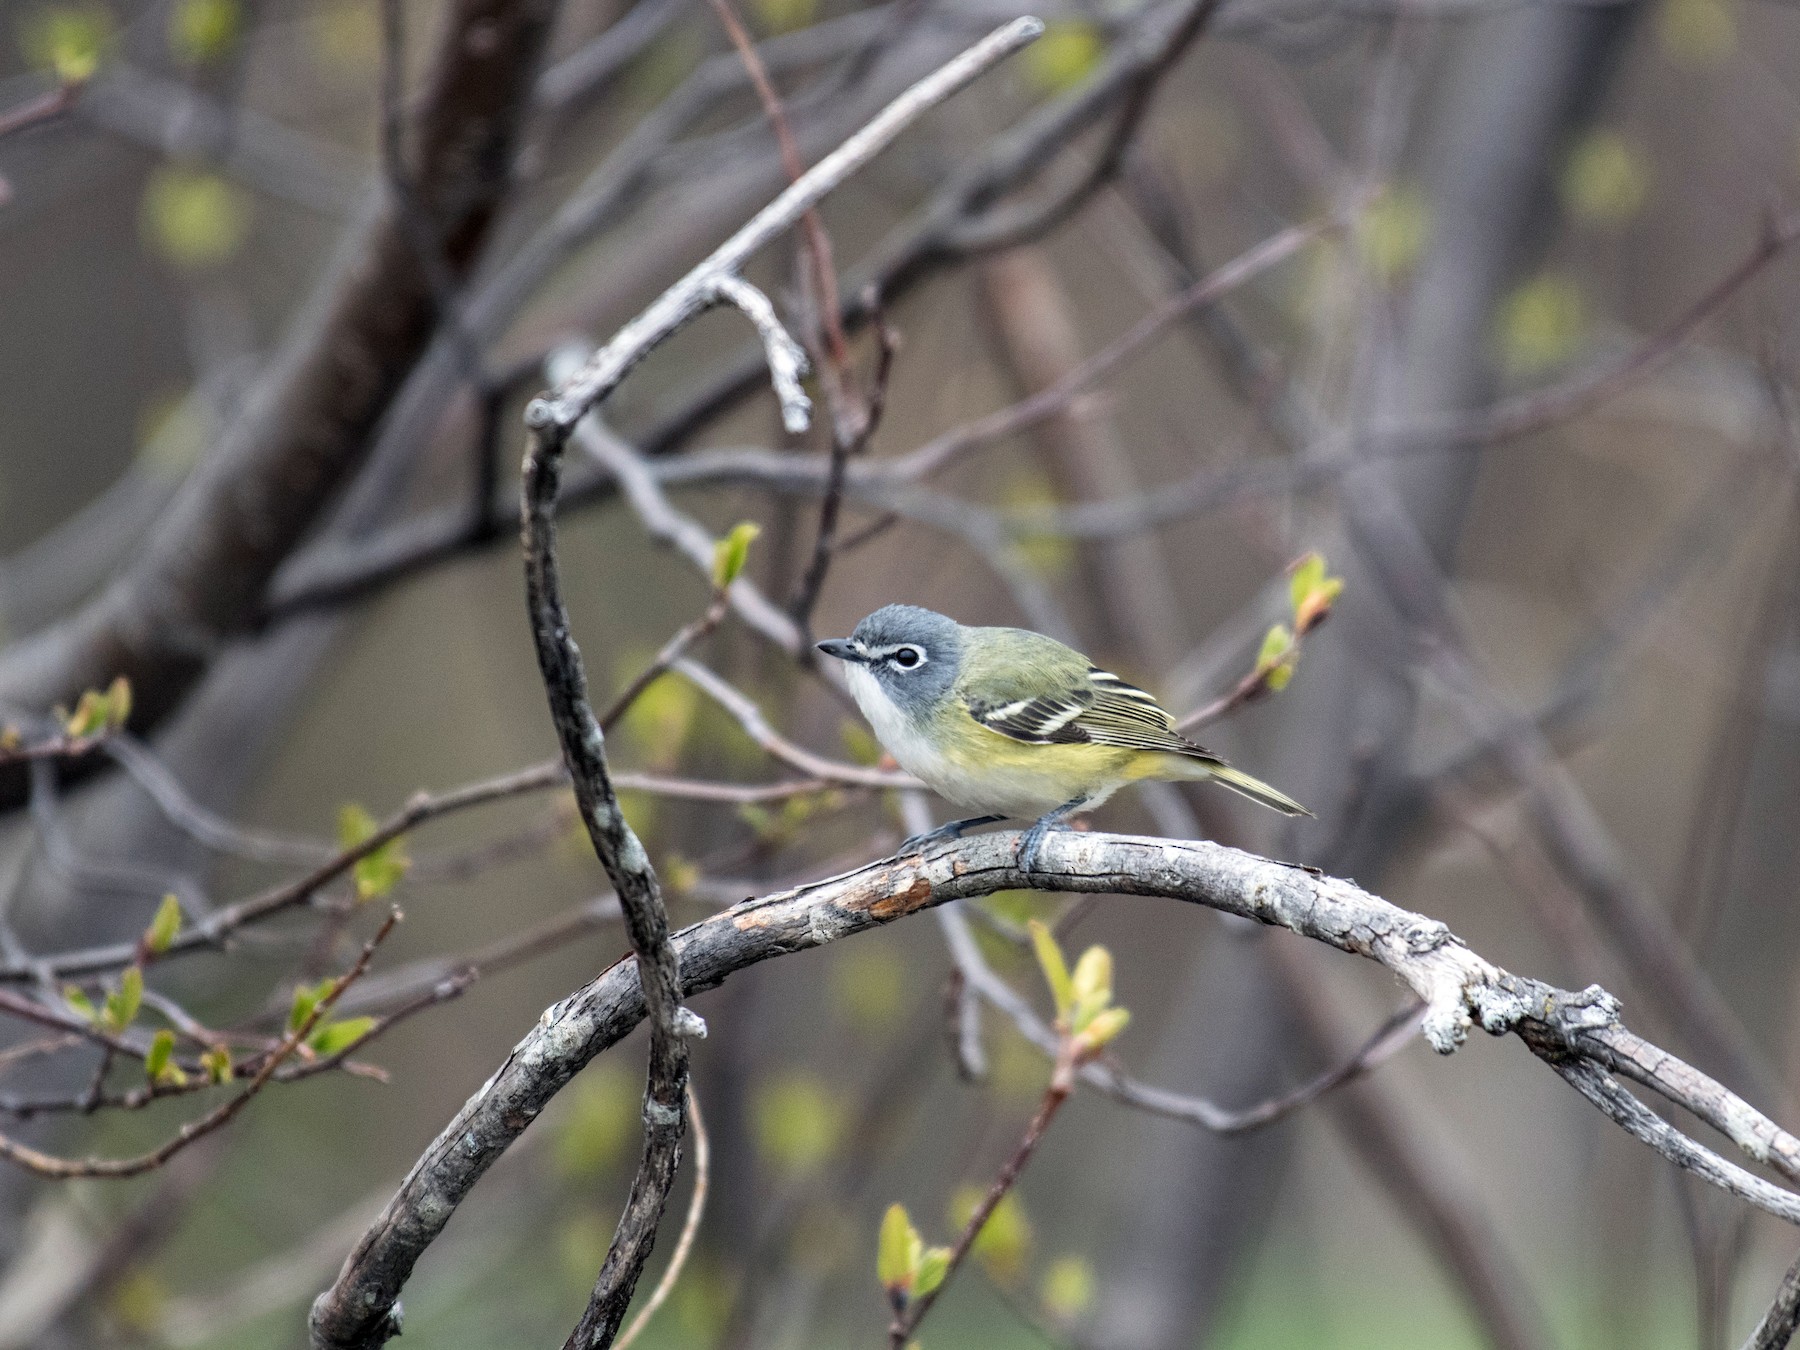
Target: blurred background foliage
145,274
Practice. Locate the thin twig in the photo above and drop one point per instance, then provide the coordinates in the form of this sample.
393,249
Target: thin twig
1062,1083
750,717
219,926
689,296
672,650
45,107
48,1165
812,580
812,227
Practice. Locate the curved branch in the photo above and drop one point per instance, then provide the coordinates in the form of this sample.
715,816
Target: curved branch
1459,989
640,899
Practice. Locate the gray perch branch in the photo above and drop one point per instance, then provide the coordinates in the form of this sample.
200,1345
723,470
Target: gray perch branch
1578,1033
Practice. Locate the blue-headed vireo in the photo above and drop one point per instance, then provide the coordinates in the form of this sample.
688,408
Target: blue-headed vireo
1009,722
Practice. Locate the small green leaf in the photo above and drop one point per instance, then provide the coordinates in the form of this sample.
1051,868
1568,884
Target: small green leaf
660,720
1393,231
333,1037
118,702
79,1003
871,987
1029,495
1605,179
354,825
1101,1029
1003,1246
1313,592
203,30
732,552
1274,660
1055,968
138,1304
679,874
164,928
1068,1288
785,16
193,218
122,1004
934,1264
156,1059
90,717
894,1251
1275,645
797,1120
1091,985
216,1060
860,744
71,40
1067,53
601,1119
380,870
1541,323
1306,575
306,998
1700,34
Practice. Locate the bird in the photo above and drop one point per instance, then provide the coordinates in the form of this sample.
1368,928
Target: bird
1011,723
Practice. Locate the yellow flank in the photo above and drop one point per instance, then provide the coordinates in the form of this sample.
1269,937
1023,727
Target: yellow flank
977,767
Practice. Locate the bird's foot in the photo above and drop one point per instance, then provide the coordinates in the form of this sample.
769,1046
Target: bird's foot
1031,843
953,830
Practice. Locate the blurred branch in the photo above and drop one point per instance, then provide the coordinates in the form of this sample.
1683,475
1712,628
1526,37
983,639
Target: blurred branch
1776,1330
923,250
1431,1189
1458,988
1107,1077
1145,53
908,1315
959,220
816,244
221,924
637,483
183,123
206,567
46,107
850,435
757,728
46,1165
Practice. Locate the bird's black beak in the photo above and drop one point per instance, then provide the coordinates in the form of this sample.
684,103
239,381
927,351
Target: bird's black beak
844,649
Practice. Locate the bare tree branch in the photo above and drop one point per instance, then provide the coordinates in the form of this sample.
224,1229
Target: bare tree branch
206,568
1578,1033
1776,1330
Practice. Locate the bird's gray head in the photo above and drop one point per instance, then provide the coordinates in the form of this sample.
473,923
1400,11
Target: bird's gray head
912,653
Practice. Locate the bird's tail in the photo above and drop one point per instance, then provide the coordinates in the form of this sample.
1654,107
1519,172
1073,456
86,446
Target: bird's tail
1256,790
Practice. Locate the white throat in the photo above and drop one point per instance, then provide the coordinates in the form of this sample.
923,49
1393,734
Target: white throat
893,727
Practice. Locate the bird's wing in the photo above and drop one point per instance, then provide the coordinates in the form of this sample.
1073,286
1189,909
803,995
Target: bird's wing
1098,708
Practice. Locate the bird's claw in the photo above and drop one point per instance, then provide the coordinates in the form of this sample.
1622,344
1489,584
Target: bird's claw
953,830
1031,843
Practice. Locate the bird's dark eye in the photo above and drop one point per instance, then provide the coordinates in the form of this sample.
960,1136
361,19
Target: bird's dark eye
908,657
